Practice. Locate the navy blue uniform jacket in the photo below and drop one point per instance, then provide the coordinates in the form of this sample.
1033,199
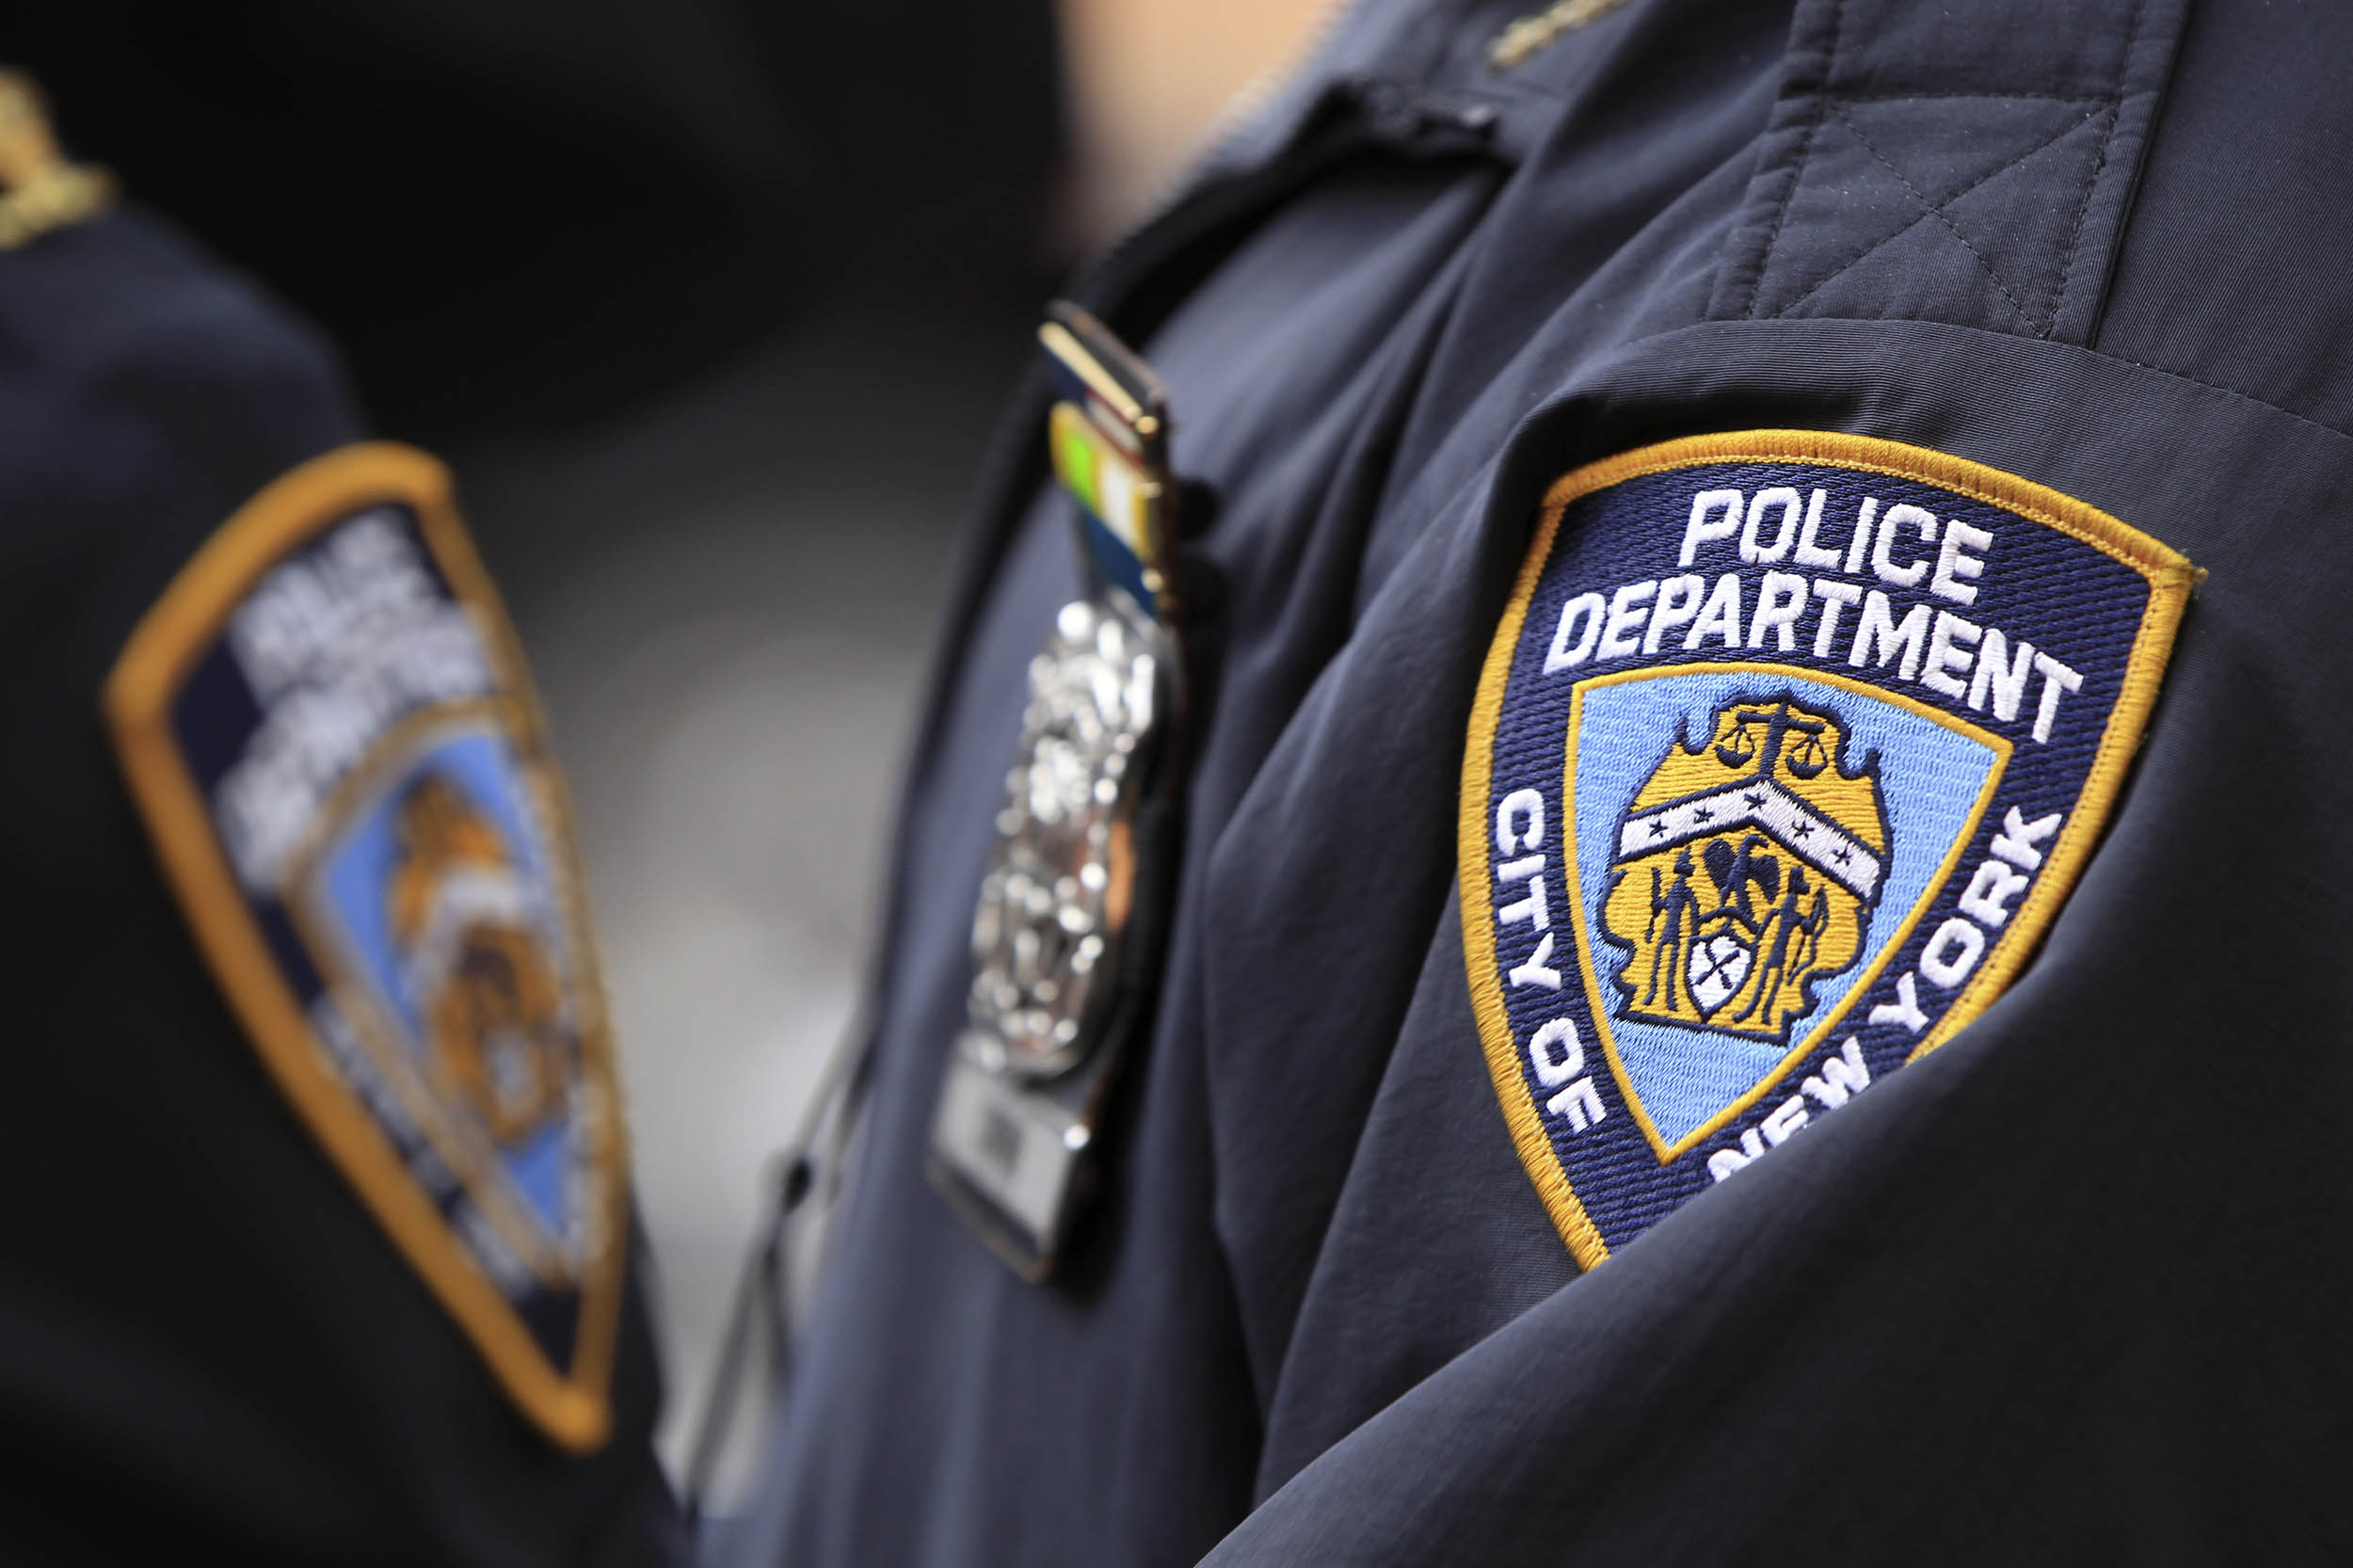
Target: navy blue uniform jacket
2066,1289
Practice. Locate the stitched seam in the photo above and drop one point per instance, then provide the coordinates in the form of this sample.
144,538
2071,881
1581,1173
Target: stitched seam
1928,211
2234,392
2132,553
2340,432
1937,209
1797,166
2083,210
1846,266
1781,214
2107,139
1940,97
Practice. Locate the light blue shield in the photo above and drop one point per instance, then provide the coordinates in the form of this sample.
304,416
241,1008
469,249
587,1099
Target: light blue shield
1934,775
347,904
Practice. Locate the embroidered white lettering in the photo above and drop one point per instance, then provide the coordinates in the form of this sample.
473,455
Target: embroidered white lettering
1538,971
1878,625
1947,652
1953,563
1779,604
1678,601
1809,554
1952,952
1627,613
1723,507
1844,1076
1898,519
1786,1118
1783,500
2016,842
362,585
1721,615
1905,1009
2055,678
1998,676
1520,806
1583,615
1991,886
1531,908
1834,595
1859,545
1557,1052
1581,1103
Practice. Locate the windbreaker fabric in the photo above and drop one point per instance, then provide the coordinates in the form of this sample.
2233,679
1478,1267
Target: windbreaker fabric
2056,1290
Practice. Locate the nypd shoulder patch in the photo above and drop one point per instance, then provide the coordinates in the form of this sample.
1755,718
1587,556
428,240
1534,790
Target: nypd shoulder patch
1787,750
326,724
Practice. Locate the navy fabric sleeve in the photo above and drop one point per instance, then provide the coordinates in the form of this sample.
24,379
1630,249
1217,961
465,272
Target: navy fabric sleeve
208,1348
2061,1294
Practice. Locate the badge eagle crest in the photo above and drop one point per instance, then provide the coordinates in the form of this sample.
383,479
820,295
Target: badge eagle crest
328,727
1787,749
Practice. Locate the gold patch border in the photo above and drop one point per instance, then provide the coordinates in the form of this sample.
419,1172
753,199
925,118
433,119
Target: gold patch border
572,1407
1999,745
2167,572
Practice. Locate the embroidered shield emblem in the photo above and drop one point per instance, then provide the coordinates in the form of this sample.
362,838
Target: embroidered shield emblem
1787,752
1781,843
331,736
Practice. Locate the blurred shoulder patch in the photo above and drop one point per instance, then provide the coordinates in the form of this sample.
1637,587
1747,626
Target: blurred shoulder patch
1787,750
326,724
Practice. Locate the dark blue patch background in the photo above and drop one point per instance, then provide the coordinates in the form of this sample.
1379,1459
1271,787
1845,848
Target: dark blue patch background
2067,597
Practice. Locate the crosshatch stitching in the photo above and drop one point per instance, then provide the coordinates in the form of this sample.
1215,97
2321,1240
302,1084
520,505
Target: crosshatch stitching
1936,210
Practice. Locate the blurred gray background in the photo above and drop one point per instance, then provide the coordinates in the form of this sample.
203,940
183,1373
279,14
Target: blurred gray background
728,597
712,306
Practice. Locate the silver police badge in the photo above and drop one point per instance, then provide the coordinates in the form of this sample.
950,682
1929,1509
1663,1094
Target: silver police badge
1055,984
1064,884
1065,931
